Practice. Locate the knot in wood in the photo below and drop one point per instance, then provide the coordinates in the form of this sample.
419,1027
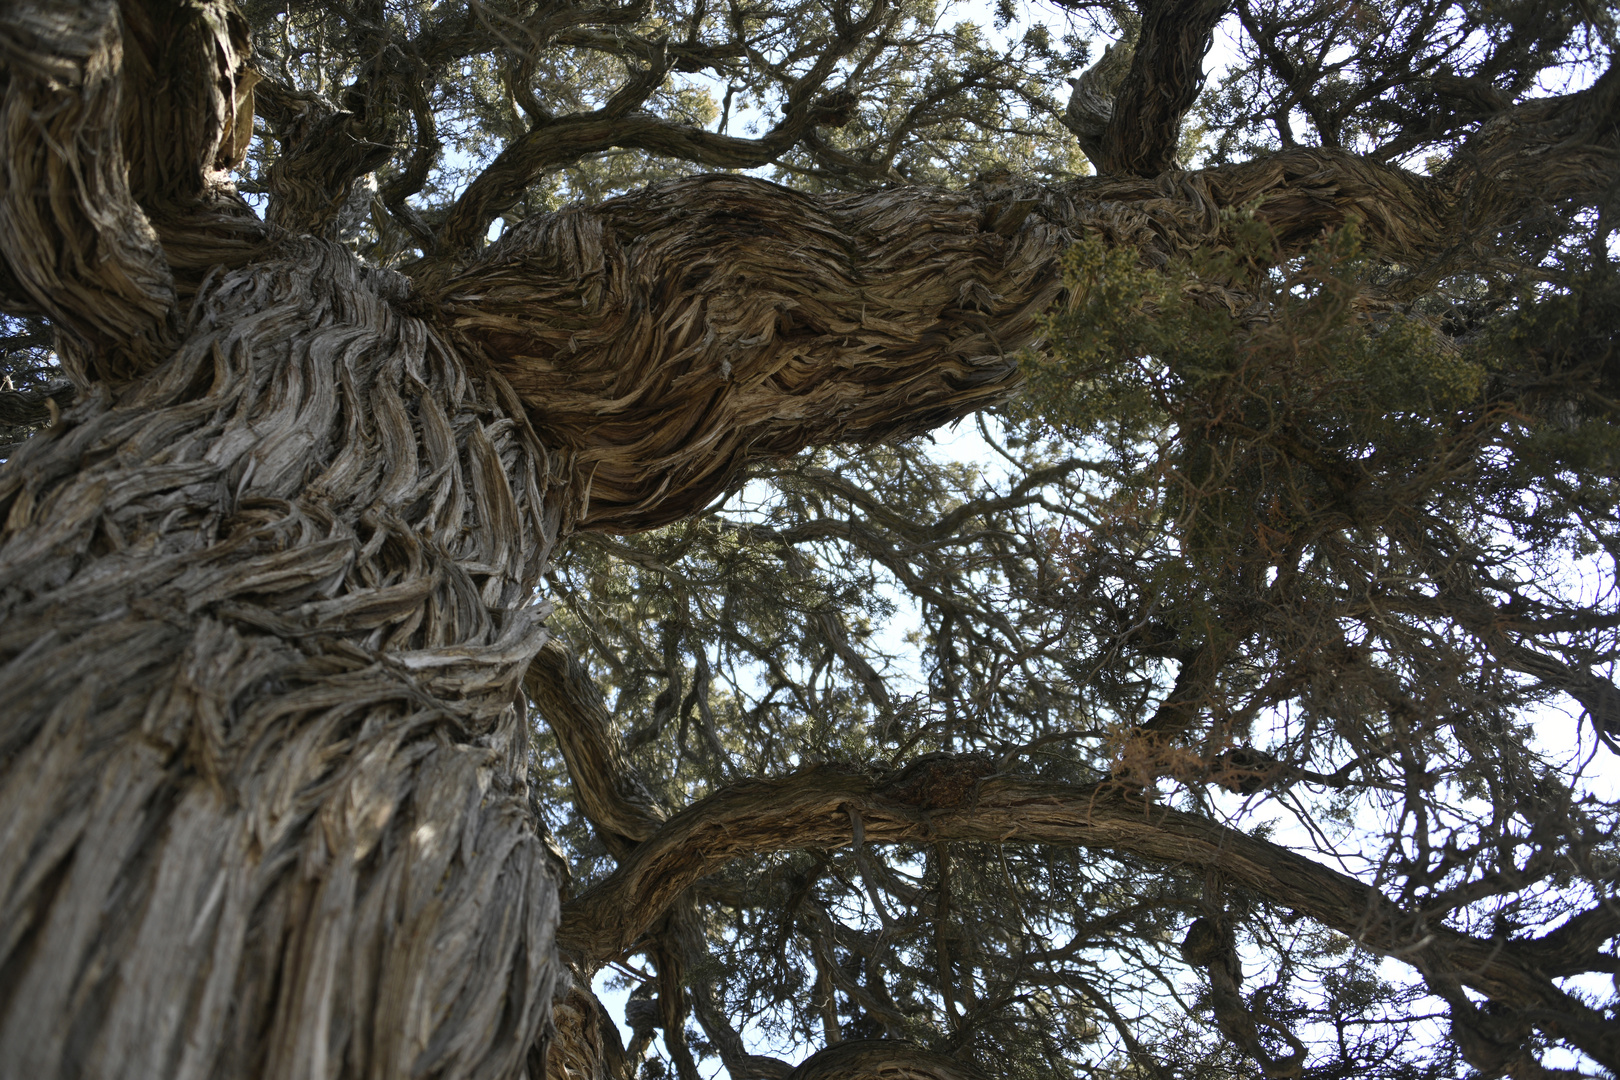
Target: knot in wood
938,781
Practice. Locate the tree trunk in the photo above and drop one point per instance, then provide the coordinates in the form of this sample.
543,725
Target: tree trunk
261,758
267,591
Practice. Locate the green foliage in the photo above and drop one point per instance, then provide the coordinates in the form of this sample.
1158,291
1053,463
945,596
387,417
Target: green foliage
1261,540
1360,536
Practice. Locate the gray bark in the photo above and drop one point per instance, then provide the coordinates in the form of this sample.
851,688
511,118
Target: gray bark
261,766
268,589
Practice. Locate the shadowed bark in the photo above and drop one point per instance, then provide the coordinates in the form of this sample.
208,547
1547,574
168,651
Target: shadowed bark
79,249
881,1059
267,591
944,800
34,407
1127,109
187,120
1166,74
612,798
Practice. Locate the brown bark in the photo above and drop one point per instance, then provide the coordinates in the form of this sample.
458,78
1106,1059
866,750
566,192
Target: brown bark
665,338
881,1059
607,790
1165,76
584,1042
949,801
266,591
1127,109
79,249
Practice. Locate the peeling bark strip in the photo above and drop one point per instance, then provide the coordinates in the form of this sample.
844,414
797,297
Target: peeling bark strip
78,248
814,809
261,629
664,338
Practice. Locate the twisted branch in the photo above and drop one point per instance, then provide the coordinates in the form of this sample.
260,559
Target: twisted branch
812,809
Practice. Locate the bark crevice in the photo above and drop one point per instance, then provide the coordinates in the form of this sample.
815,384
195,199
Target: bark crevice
266,763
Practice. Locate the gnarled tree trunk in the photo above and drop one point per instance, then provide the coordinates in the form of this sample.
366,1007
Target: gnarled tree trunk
263,795
267,592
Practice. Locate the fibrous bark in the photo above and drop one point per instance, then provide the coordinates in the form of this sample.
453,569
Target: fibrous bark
1166,74
610,795
663,339
263,775
1127,109
79,249
267,590
881,1059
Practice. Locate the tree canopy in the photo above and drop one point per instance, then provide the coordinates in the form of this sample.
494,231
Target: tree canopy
1232,695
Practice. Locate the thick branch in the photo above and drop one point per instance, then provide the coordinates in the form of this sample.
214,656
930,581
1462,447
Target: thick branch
187,121
1143,131
812,809
324,150
881,1059
188,112
668,337
1091,105
78,248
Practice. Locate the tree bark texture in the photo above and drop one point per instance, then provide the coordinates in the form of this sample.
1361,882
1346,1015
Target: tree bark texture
79,248
267,590
606,789
263,804
881,1059
1127,109
664,338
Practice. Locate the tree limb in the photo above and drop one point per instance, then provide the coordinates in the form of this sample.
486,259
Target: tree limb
668,337
187,115
608,792
881,1059
35,406
1129,122
550,144
79,249
811,809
